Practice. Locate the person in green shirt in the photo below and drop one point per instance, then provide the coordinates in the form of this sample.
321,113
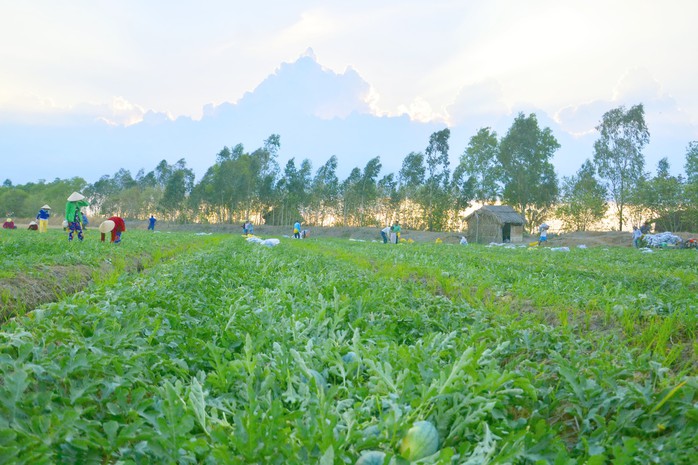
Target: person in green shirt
73,215
395,233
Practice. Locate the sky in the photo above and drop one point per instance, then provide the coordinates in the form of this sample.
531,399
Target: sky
457,63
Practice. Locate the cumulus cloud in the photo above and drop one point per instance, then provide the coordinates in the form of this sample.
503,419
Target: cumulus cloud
304,87
662,112
482,99
420,110
35,109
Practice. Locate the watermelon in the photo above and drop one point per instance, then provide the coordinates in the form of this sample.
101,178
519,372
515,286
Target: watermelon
422,440
372,457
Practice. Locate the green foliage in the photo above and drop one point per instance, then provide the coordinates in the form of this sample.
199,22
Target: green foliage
663,197
477,175
527,174
618,152
515,170
239,353
25,201
360,194
435,195
583,200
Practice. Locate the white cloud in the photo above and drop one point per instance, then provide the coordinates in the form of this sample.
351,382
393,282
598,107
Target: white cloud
479,100
420,110
34,109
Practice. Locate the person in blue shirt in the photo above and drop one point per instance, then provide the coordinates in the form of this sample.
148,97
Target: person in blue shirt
151,223
297,230
84,220
637,236
43,217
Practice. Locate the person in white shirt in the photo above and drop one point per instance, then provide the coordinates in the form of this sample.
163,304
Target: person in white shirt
384,234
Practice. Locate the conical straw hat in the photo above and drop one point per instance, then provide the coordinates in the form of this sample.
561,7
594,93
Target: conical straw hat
46,207
106,226
75,196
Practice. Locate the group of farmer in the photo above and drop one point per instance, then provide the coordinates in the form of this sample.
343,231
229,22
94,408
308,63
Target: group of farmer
75,221
391,233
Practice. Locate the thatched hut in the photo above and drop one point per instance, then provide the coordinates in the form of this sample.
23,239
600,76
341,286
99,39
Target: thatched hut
495,223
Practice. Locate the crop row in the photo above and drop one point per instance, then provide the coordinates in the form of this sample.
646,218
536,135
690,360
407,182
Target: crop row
37,268
646,300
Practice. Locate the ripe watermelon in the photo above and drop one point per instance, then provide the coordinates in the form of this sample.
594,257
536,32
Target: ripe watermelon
422,440
372,457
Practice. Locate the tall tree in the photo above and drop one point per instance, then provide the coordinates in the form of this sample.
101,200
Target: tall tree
691,188
410,180
293,190
389,199
528,176
179,183
324,195
583,199
618,153
360,193
663,196
478,171
350,196
434,197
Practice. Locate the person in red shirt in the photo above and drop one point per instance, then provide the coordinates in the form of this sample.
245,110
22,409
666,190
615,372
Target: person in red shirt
115,225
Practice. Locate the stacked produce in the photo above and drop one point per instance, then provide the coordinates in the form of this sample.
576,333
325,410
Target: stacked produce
661,239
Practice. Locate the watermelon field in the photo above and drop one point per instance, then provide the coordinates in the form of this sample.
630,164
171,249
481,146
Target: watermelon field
184,349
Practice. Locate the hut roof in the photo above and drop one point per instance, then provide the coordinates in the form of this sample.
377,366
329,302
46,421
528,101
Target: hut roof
500,213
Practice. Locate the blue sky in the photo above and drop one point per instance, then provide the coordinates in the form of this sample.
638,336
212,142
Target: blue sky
465,64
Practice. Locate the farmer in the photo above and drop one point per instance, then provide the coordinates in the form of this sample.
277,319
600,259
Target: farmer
384,234
247,228
543,229
43,217
9,224
84,220
297,230
151,223
73,215
115,225
395,233
637,236
33,226
645,228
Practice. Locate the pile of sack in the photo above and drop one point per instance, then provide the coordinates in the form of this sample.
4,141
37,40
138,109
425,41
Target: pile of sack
267,242
661,240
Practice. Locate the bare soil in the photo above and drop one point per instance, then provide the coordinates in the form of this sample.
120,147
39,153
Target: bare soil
572,239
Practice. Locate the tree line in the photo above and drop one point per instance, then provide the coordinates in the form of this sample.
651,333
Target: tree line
513,169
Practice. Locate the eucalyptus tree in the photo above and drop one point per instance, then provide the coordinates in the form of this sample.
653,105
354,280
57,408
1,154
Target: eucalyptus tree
434,197
268,166
389,199
324,191
349,195
583,199
410,180
360,193
178,184
663,196
618,153
526,172
292,188
478,172
691,189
